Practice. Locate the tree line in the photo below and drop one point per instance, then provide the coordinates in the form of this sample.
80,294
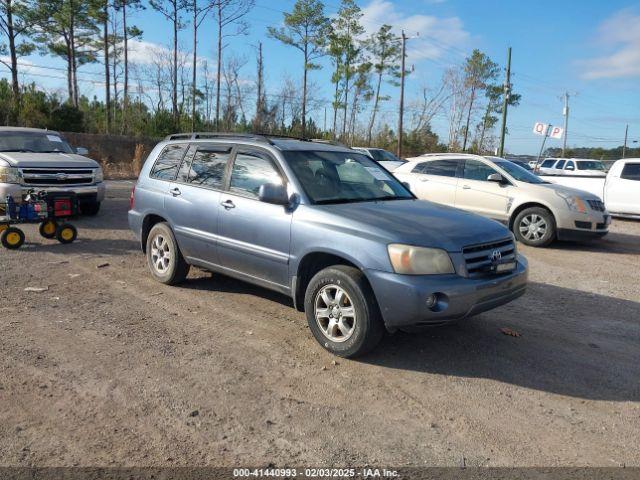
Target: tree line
179,91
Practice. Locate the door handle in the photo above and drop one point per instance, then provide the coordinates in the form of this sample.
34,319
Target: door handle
228,204
424,179
175,192
466,187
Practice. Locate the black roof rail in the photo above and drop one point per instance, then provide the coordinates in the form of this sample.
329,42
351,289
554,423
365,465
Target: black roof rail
214,135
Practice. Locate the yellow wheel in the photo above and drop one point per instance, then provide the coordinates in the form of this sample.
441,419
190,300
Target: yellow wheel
12,238
3,227
66,233
48,229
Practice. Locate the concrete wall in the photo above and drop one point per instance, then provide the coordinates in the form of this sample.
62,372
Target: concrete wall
120,156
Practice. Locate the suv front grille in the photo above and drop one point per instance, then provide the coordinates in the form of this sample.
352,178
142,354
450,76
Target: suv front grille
480,261
56,177
596,205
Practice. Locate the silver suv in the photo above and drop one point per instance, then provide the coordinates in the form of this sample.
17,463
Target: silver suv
325,225
34,159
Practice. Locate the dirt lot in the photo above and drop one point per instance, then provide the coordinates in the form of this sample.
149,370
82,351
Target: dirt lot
108,368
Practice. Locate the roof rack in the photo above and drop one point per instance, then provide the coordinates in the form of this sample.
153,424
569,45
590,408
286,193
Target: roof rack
263,137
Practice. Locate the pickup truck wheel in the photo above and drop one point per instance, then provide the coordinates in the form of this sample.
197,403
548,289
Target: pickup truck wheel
90,209
342,312
535,227
166,263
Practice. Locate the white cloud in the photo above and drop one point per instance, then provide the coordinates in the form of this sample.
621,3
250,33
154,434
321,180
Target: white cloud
620,34
437,35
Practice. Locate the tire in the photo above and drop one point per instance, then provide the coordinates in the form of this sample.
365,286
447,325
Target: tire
90,209
354,333
12,238
66,233
48,229
543,219
165,261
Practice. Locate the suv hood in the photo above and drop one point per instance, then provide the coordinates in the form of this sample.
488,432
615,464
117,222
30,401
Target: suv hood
415,222
47,160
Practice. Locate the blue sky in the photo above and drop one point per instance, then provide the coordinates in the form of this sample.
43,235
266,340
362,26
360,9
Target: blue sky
590,48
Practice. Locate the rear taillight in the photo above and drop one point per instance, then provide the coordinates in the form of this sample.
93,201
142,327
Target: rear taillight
132,198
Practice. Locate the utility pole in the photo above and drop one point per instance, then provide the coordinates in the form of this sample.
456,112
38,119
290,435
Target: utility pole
402,75
626,135
505,103
565,112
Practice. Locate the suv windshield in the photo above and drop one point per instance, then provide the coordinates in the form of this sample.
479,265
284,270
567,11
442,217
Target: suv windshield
591,165
343,177
384,156
518,173
33,142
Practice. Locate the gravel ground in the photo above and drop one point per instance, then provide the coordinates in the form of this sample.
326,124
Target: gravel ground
106,367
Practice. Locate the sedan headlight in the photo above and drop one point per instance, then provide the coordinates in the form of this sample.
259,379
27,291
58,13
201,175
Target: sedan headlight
98,175
574,202
9,175
410,260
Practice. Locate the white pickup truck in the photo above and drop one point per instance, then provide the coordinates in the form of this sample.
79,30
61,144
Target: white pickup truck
620,188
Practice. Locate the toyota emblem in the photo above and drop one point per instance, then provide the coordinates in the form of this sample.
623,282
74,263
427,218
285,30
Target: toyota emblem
61,176
496,256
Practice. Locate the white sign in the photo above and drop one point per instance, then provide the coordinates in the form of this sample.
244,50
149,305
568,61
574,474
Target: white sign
549,130
556,132
540,128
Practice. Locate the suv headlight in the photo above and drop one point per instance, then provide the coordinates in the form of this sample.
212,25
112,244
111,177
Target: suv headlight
9,175
410,260
574,202
98,175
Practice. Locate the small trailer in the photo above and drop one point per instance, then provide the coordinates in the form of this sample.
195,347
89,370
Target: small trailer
50,209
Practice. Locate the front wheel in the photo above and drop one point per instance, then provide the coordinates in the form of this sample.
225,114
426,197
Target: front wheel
12,238
342,311
90,209
166,263
535,227
48,229
66,233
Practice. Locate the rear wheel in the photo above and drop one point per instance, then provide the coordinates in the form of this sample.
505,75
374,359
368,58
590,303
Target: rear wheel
535,227
12,238
342,312
166,263
66,233
48,229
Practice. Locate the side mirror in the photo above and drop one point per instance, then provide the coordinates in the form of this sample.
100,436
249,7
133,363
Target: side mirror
82,151
273,193
496,177
570,167
406,185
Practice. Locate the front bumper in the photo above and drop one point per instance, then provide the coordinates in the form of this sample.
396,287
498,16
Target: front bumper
574,226
85,193
402,298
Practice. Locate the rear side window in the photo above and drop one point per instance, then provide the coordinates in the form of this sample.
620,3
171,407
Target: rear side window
251,170
475,170
441,168
168,162
208,166
631,171
560,164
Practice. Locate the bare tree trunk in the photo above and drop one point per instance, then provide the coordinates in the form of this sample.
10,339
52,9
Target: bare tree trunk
257,126
125,39
107,79
466,130
174,98
194,69
218,79
372,121
304,92
336,103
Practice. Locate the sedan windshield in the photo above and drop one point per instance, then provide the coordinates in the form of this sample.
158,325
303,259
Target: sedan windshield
518,173
33,142
344,177
591,165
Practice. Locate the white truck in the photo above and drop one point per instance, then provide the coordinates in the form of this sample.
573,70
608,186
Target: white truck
620,188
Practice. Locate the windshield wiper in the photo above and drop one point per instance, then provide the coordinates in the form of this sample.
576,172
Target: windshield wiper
359,200
18,150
